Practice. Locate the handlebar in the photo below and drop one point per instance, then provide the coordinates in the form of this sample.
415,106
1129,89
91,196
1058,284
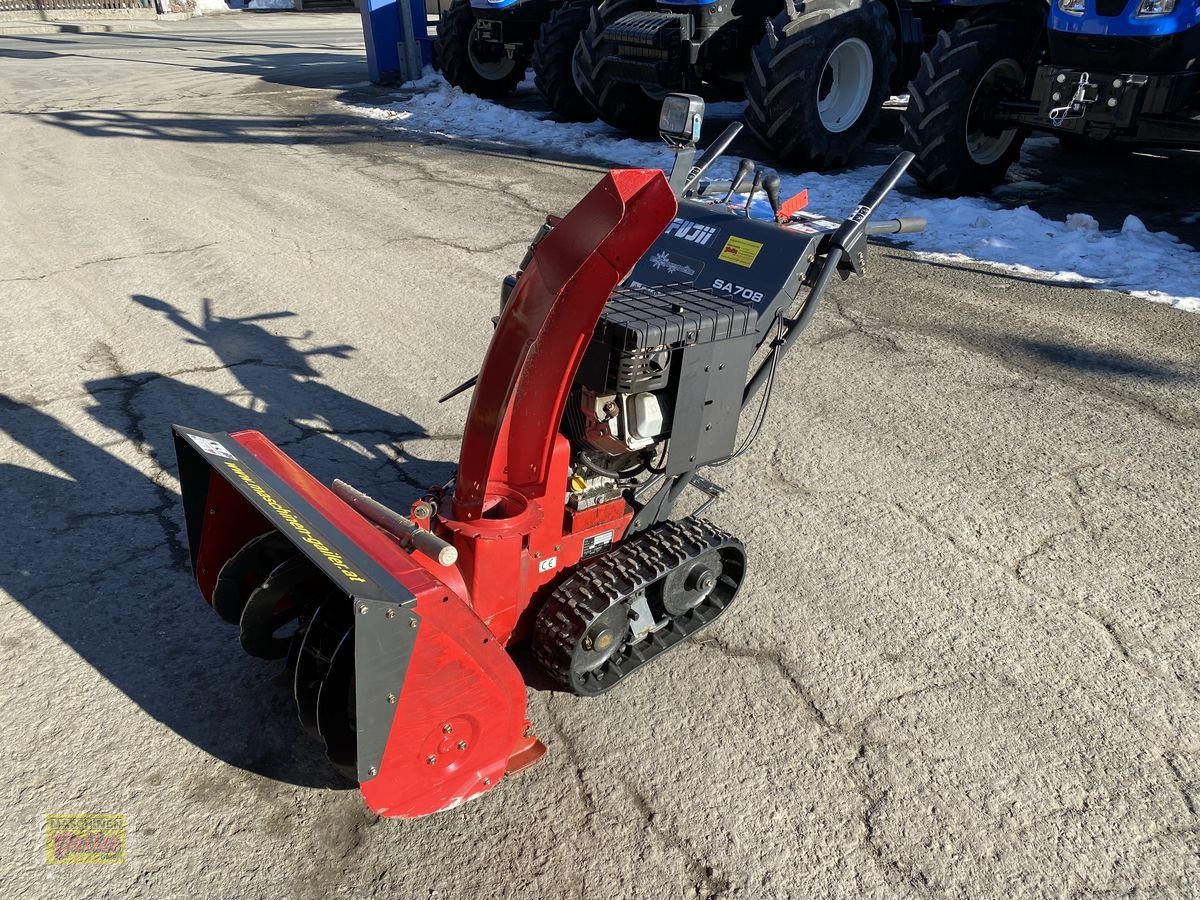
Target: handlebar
710,156
853,228
904,225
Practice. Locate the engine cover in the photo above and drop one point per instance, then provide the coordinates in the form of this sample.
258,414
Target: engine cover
676,356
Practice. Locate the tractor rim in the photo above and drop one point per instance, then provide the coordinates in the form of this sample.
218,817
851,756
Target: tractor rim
985,148
485,67
845,85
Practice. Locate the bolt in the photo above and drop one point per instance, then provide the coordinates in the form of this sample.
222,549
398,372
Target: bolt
557,547
390,614
537,556
587,643
447,728
486,782
391,698
363,609
372,771
1112,101
412,623
1061,78
1056,96
212,512
431,759
461,745
1117,84
708,427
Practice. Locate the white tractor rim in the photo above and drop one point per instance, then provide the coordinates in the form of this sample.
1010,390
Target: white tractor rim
492,70
845,85
986,149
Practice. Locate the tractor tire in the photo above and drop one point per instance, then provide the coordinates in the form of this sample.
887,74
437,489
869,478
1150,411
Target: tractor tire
465,67
815,94
954,154
621,104
554,61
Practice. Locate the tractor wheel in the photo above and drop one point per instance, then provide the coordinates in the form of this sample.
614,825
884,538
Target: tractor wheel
478,69
554,58
972,64
815,94
619,103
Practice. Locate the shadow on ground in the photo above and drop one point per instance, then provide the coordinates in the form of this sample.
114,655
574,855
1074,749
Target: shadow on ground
96,549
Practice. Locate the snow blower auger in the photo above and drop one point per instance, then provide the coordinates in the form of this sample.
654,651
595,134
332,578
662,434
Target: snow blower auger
619,367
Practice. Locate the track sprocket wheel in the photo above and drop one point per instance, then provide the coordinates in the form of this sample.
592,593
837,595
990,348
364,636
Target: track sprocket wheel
671,563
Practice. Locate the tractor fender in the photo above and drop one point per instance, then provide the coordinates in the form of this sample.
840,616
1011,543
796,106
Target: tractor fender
811,14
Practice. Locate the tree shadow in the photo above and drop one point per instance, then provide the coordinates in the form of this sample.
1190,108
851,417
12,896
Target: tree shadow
205,128
1093,361
96,549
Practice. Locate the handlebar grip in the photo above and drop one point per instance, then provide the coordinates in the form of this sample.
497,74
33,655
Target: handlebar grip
853,228
883,186
904,225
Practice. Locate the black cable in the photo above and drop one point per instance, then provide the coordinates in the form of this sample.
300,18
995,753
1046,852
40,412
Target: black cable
760,417
609,473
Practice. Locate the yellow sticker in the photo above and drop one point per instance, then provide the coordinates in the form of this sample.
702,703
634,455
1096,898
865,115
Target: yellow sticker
85,839
740,251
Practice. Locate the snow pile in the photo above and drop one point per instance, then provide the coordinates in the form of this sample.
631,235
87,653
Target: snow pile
1152,265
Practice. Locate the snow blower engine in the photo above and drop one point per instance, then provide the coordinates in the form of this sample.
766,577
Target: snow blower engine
639,328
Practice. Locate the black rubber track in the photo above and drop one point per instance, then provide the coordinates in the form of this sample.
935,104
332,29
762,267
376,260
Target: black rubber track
939,101
553,61
636,565
620,104
453,52
784,79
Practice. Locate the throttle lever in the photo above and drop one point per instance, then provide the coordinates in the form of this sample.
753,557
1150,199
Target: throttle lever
745,167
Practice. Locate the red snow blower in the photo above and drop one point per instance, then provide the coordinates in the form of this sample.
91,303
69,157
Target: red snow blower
619,368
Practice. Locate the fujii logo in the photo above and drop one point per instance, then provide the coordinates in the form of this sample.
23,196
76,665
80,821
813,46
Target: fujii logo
690,231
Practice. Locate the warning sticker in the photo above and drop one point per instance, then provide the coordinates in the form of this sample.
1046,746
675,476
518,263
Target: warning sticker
740,251
211,447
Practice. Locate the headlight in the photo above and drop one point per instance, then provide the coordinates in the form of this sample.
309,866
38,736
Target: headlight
1148,8
1074,7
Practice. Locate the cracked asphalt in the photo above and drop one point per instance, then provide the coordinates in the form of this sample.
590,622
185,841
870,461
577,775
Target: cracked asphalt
965,661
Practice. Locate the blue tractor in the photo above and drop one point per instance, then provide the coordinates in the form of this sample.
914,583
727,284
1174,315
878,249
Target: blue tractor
815,73
485,47
1097,73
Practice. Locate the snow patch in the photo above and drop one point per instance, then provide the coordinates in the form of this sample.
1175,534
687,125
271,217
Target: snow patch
271,4
1151,265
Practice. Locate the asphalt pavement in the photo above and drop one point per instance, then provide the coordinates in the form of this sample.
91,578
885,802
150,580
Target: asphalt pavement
965,661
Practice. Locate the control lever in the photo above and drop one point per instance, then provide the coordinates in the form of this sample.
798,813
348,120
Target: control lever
758,177
745,168
771,184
